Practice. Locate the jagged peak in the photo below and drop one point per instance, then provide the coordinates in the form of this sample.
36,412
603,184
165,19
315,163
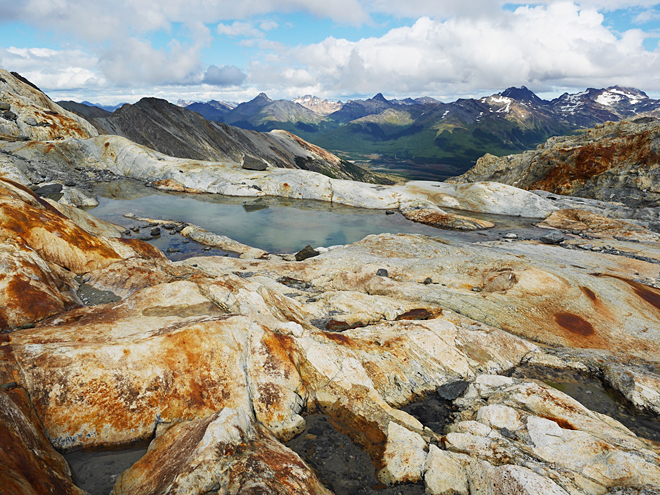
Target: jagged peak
521,94
380,97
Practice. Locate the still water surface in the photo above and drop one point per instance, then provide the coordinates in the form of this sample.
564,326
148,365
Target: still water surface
273,224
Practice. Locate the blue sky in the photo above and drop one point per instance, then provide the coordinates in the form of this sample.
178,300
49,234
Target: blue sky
111,52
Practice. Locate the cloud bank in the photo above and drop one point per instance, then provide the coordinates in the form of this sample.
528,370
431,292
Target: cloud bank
444,49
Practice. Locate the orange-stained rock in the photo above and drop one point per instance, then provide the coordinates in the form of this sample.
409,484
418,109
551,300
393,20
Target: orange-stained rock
28,463
598,226
38,225
226,453
107,375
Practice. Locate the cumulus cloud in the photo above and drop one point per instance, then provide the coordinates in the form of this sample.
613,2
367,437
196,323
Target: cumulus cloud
227,75
135,62
55,69
560,44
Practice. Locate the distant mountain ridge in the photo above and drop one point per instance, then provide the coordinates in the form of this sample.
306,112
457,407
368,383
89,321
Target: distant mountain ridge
179,132
427,138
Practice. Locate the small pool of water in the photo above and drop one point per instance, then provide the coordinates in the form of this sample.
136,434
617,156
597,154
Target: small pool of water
274,224
97,471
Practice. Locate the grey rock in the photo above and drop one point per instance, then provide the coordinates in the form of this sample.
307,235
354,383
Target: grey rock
31,121
428,280
452,390
11,116
155,231
252,163
382,272
306,252
553,237
4,106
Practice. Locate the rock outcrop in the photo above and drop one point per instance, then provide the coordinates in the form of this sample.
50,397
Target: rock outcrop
616,161
33,116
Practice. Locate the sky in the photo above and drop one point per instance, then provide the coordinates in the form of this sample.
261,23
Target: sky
117,51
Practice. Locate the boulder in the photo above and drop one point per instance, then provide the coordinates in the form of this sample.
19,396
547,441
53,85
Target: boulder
253,163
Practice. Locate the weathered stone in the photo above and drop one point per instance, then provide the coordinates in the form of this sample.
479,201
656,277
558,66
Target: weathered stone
453,390
404,457
523,481
306,252
444,475
252,163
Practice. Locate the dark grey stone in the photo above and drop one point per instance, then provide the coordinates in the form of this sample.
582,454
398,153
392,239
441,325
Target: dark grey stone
155,231
48,189
428,281
389,212
382,272
252,163
552,237
4,106
10,116
452,390
306,252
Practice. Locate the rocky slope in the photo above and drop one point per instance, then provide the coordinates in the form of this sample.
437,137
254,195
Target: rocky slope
178,132
616,161
219,362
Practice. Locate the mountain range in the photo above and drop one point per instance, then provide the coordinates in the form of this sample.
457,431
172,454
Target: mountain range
182,133
424,138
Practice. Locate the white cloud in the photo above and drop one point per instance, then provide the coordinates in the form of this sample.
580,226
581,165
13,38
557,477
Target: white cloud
559,44
133,62
243,29
227,75
53,69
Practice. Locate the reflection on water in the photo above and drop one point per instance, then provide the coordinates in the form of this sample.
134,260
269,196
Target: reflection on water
273,224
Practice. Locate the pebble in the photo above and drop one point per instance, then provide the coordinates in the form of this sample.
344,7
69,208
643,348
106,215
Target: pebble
511,235
155,231
428,281
476,289
382,272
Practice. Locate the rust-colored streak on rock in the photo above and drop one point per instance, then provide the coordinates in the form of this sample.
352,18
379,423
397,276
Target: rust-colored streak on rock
338,337
649,294
55,238
339,326
415,314
589,293
365,433
575,324
33,302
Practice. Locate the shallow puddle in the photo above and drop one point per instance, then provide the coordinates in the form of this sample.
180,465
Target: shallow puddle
274,224
96,472
591,393
339,463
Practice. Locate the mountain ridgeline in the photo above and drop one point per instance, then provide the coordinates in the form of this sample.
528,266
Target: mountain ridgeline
182,133
424,138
